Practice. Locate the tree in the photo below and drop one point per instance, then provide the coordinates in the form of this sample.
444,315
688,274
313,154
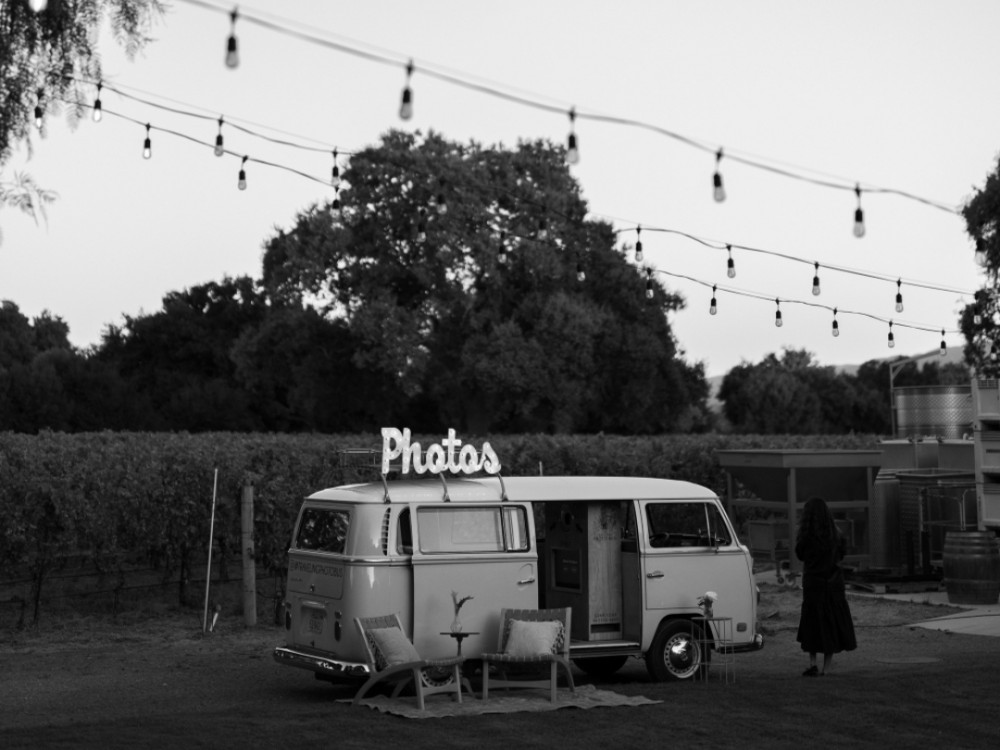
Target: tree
472,285
980,320
24,194
49,57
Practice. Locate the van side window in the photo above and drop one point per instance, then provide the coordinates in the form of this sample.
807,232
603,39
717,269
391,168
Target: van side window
490,529
323,530
404,536
691,524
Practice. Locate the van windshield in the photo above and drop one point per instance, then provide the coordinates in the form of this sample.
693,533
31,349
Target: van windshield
323,530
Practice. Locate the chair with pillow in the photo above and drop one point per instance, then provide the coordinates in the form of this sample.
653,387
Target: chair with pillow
392,658
530,640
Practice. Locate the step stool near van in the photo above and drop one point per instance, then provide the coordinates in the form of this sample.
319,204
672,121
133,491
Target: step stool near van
631,556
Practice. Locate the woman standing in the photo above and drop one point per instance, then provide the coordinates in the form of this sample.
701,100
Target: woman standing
825,625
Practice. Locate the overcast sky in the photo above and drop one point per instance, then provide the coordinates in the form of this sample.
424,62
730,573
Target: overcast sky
897,94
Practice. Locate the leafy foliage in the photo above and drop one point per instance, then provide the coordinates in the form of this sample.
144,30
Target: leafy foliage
980,321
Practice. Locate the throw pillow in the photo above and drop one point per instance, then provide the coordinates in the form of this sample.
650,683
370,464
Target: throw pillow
394,645
530,638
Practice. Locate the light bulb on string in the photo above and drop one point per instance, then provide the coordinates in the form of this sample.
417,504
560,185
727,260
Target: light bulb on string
993,352
406,105
147,145
977,315
421,224
730,265
335,173
859,215
98,110
778,322
816,280
572,152
835,328
440,203
713,306
649,283
899,296
892,338
980,254
39,111
502,249
241,183
38,5
232,53
580,275
944,345
638,245
335,208
219,150
719,192
543,231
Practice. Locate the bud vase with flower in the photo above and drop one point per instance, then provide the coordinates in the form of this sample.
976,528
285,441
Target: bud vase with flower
456,624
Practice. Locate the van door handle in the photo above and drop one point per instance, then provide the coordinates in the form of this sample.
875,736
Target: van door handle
655,574
525,581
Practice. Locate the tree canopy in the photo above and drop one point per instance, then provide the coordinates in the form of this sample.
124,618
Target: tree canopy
478,294
980,320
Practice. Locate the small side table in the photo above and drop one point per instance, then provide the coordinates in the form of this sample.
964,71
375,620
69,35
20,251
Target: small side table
716,632
460,636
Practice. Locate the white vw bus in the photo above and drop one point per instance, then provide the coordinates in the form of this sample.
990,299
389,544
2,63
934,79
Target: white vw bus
631,556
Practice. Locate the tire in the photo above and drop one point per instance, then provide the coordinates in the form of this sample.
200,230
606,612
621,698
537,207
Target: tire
601,666
677,652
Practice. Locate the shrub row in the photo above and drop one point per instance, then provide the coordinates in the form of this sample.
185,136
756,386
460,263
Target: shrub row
117,498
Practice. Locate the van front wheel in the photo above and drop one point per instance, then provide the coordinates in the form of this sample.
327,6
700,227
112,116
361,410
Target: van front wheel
677,652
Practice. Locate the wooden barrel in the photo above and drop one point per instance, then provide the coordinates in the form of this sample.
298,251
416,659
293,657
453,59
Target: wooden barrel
972,567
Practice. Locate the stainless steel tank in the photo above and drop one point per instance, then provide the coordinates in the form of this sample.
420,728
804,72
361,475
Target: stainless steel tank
943,411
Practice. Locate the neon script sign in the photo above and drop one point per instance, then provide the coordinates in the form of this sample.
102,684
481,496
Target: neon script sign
448,455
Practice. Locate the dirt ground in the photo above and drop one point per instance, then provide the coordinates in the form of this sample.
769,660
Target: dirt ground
155,681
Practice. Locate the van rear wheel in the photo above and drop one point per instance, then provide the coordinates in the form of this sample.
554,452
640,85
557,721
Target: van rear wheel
677,652
601,666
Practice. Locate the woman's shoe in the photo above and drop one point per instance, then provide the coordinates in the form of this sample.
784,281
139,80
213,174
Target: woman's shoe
813,671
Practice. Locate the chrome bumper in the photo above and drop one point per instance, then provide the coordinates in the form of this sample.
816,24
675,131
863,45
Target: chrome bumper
321,665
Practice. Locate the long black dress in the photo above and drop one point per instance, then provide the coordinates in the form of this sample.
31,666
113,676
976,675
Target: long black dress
825,625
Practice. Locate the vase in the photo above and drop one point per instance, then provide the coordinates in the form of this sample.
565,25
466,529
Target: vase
456,625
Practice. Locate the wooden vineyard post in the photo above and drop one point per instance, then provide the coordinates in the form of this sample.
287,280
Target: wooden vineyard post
249,566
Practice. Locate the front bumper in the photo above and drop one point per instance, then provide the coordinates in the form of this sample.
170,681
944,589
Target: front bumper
321,665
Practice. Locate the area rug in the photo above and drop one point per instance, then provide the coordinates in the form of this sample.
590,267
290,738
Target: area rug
440,706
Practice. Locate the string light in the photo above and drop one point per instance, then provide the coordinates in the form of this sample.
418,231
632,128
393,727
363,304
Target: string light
242,182
713,307
335,174
638,245
38,109
993,352
406,105
440,202
859,215
421,224
836,326
232,54
816,281
899,296
977,316
543,231
335,208
649,283
944,346
719,191
572,152
147,145
502,249
580,275
892,338
219,150
777,314
38,5
730,265
98,112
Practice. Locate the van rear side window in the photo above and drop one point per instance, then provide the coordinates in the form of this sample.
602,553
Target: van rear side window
323,530
494,529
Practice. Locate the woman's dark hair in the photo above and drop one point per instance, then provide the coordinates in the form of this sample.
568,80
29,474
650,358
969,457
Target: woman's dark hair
816,521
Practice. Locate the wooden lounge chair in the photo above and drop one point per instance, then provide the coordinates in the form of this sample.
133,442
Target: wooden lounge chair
392,658
530,640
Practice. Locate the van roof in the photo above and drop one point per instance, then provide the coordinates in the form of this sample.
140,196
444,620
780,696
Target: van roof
539,489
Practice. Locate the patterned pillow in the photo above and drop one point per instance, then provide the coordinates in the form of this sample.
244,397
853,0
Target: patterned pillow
393,645
531,638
